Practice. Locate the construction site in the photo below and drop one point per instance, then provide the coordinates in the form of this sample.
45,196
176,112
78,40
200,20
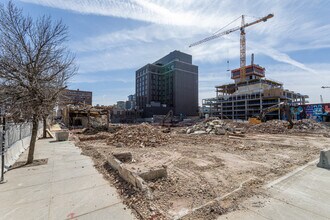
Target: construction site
244,99
199,171
165,159
206,167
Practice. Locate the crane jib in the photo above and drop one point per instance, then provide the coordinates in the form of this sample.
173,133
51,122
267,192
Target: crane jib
232,30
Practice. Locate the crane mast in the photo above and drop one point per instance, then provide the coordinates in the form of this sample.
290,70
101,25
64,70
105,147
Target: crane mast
242,51
242,41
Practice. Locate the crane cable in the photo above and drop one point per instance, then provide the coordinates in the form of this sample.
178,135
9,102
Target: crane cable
226,25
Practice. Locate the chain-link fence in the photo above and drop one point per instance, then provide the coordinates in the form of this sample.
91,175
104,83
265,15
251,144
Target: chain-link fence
17,140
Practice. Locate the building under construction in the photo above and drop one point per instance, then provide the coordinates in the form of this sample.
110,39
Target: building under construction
243,99
251,91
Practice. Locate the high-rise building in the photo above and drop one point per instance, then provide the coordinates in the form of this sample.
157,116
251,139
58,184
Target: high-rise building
170,83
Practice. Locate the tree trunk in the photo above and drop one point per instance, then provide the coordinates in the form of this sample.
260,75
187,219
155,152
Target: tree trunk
44,134
35,123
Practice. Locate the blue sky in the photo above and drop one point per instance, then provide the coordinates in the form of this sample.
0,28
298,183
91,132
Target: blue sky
113,38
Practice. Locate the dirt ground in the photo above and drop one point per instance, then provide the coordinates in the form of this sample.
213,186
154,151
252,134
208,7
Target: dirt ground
208,174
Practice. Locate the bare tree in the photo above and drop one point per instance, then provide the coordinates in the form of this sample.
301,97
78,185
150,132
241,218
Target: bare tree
34,65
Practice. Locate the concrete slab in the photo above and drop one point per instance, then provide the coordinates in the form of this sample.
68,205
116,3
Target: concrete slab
25,195
33,210
60,165
60,162
73,172
18,182
79,202
111,212
242,214
278,209
68,185
26,171
303,195
77,184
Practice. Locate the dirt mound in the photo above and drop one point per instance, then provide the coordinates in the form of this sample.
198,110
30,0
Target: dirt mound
143,135
280,126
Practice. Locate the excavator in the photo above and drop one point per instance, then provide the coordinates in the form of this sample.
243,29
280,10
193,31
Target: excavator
169,115
283,106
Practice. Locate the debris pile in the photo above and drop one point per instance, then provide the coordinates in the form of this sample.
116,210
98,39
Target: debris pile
93,130
213,126
271,127
281,126
92,137
308,125
143,135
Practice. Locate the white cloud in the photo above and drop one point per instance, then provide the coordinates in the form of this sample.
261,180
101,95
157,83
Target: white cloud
175,28
174,24
281,57
132,37
159,12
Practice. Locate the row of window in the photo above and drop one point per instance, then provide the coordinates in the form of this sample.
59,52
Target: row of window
141,72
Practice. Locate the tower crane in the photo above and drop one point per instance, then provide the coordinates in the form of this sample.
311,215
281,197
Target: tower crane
242,40
325,87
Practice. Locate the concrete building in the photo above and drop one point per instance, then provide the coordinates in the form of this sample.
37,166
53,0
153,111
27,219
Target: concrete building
121,104
131,103
243,99
169,83
75,97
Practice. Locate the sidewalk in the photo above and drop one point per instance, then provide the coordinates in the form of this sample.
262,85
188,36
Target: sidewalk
67,187
301,195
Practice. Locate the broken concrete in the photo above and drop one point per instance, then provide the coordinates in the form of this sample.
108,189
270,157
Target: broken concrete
62,135
129,176
324,159
155,174
123,157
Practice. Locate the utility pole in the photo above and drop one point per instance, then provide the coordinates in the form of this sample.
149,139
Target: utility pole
3,117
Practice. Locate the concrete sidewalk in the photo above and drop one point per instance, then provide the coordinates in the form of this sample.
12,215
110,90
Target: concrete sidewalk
301,195
67,187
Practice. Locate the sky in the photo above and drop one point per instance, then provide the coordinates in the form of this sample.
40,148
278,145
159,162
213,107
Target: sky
114,38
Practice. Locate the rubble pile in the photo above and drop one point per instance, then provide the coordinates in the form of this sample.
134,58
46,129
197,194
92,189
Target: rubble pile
93,130
213,126
271,127
281,126
308,125
142,135
92,137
